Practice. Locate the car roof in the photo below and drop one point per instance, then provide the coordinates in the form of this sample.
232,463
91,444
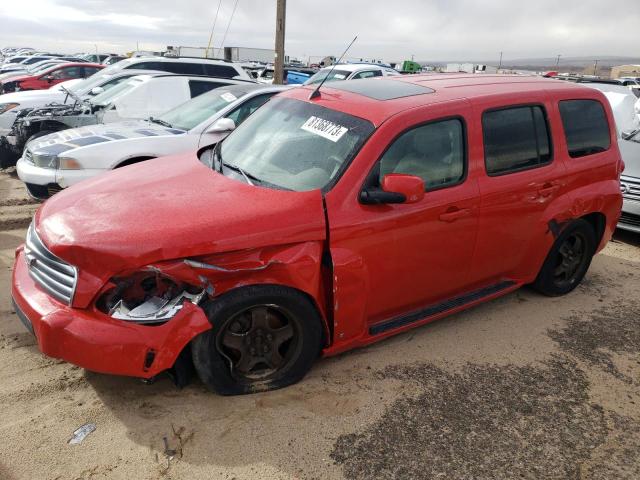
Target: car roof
352,67
366,100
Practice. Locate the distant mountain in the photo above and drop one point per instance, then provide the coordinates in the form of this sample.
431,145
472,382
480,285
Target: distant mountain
604,61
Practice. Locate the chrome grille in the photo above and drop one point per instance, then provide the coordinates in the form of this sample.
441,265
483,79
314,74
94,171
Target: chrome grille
630,187
54,275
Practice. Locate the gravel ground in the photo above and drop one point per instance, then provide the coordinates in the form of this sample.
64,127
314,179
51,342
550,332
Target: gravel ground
521,387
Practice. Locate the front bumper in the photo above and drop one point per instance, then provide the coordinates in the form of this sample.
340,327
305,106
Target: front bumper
92,340
630,218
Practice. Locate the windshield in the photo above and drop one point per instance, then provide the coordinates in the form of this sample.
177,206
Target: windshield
117,66
335,75
295,145
197,110
108,96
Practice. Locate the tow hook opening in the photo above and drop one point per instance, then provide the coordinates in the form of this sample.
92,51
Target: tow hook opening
147,298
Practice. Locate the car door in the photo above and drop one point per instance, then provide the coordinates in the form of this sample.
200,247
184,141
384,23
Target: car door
400,258
521,177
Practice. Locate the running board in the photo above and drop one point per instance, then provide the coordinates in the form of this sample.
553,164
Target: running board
439,308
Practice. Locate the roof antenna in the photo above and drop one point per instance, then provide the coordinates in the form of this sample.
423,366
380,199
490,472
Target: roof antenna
316,92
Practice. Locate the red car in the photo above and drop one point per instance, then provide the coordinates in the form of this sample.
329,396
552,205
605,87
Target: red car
55,74
324,223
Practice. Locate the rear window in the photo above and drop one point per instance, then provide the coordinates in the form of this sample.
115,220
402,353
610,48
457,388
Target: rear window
515,139
220,71
585,127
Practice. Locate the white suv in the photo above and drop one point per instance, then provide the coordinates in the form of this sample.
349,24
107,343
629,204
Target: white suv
182,66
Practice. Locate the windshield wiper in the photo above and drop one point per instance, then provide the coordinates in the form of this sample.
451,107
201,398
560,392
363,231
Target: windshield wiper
246,175
216,157
160,122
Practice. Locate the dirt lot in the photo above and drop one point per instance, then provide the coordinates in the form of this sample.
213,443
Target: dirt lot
522,387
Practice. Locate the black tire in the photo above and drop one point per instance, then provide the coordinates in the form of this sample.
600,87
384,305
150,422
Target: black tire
252,319
8,157
568,260
39,134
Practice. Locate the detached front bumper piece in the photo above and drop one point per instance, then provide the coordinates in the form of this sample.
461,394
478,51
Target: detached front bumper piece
92,340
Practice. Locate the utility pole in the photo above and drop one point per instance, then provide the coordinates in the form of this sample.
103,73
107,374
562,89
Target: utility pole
278,74
595,68
500,64
558,61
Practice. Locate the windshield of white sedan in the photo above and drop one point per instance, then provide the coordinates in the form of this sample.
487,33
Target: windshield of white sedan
293,145
197,110
108,96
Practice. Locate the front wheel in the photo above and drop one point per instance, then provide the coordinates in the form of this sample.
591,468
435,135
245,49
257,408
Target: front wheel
263,338
568,260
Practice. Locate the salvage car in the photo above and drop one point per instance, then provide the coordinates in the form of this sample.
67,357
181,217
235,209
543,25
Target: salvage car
330,219
138,97
85,152
12,103
50,77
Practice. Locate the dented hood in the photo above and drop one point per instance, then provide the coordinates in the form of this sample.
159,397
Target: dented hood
167,208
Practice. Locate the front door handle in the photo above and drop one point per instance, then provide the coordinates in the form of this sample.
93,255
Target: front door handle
454,213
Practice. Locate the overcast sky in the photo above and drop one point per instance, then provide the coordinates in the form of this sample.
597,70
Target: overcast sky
388,30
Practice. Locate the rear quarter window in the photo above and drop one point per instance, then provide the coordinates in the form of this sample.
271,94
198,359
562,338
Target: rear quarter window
197,87
585,127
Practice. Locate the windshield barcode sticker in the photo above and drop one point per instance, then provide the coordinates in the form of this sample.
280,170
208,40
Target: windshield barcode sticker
324,128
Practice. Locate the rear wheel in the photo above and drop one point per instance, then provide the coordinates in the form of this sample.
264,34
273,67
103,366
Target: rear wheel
263,338
568,260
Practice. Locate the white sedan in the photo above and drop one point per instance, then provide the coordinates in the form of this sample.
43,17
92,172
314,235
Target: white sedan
61,159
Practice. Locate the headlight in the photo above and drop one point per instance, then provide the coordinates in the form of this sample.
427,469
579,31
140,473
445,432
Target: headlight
5,107
67,163
44,161
147,297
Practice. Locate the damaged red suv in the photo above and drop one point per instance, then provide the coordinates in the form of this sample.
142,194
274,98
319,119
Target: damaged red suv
321,224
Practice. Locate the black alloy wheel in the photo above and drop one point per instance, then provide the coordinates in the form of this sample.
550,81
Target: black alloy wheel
263,337
259,341
568,260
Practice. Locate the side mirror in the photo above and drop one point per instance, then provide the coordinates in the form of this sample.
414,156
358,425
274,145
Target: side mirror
97,90
49,78
222,125
396,188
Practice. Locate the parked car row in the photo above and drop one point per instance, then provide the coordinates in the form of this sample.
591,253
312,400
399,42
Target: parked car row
26,115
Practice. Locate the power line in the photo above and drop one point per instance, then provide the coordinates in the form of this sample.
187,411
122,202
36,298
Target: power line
228,25
215,19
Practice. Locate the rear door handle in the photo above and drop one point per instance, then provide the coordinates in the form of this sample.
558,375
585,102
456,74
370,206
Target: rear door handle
454,213
548,189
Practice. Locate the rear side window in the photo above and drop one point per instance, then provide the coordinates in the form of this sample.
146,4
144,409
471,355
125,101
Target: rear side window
368,74
219,71
88,71
197,87
585,127
149,66
184,68
515,139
